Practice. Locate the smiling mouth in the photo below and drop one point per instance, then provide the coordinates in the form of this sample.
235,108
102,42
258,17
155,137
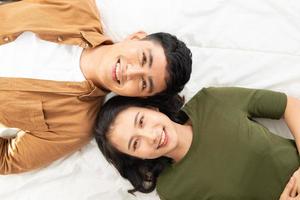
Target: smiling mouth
163,139
117,72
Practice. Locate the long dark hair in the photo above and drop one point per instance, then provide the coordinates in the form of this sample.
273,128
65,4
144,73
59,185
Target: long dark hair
142,173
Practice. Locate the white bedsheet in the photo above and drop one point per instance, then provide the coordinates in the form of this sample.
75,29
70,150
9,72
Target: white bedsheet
252,44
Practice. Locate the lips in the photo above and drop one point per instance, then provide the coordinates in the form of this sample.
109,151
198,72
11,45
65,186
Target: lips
117,72
163,139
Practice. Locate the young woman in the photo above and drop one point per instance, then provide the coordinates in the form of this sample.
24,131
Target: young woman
211,149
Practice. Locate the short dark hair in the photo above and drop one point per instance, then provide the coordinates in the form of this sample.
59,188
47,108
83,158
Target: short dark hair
142,173
179,61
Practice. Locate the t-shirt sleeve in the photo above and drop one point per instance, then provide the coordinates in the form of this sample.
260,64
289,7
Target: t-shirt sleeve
255,102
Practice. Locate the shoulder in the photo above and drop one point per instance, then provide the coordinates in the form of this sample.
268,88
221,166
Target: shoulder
201,96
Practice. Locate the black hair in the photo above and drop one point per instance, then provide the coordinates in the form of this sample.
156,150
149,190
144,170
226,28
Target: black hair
8,1
179,61
142,173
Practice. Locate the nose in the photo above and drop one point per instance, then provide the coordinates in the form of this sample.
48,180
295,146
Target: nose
134,71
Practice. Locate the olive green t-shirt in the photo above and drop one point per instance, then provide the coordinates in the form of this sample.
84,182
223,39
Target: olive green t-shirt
232,157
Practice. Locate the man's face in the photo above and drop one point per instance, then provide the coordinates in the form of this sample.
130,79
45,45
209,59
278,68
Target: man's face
134,67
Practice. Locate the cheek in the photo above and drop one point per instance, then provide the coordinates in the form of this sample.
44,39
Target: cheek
173,137
131,88
175,140
144,152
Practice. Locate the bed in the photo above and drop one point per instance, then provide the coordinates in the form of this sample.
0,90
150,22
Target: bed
254,44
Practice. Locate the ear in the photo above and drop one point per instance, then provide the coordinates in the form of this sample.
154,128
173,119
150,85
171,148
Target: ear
136,36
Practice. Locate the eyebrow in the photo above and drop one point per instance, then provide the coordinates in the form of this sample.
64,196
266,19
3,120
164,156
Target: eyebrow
151,85
150,80
136,118
135,123
150,58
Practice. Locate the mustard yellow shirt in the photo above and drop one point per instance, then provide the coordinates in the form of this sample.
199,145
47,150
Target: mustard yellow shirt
62,21
55,118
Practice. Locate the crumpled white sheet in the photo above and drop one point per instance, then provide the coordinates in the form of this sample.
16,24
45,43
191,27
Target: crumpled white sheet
253,44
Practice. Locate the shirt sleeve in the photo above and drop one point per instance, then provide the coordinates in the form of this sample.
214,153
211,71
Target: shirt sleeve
255,102
30,151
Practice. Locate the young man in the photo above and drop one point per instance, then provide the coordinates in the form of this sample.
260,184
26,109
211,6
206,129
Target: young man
55,68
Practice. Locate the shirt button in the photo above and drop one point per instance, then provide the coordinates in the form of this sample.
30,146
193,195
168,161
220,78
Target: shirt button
59,39
86,45
6,39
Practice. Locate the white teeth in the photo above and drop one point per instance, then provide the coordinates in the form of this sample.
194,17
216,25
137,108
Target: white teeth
163,137
118,71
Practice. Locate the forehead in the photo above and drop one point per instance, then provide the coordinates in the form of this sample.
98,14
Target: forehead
122,128
125,115
124,119
152,44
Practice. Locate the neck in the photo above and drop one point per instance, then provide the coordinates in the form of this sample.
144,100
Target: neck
185,138
90,61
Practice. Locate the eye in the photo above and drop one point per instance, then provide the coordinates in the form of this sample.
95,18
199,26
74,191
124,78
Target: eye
141,121
144,84
144,59
135,144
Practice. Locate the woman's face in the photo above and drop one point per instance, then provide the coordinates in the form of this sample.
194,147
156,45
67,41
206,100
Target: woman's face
144,133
